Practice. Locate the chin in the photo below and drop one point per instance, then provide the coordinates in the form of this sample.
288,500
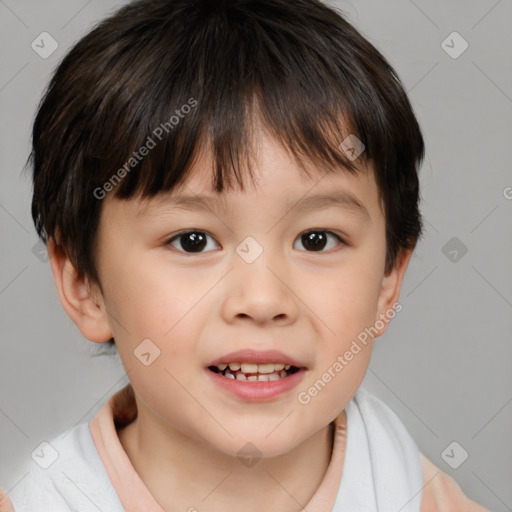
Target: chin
253,444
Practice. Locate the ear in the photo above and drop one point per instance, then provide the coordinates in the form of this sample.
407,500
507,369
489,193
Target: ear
390,291
76,296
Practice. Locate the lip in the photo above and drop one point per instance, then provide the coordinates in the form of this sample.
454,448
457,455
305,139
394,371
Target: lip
256,356
257,391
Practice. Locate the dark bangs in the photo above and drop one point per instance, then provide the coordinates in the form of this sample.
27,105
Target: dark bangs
136,99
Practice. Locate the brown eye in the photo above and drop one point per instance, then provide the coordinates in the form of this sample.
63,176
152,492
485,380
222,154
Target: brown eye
190,241
317,240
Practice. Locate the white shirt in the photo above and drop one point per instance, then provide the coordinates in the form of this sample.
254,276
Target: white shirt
381,470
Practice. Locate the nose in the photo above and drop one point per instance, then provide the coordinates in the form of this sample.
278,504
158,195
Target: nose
260,292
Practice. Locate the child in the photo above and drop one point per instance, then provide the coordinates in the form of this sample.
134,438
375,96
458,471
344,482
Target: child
279,142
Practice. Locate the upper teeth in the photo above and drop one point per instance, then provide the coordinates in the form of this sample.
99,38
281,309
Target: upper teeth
254,368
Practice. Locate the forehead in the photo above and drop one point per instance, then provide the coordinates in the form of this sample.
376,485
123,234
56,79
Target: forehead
278,186
277,179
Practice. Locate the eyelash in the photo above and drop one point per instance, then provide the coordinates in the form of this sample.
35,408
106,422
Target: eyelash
177,236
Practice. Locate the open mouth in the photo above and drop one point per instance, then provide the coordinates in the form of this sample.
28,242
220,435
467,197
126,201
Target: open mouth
254,372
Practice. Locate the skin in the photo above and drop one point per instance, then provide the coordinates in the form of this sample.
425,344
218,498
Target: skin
196,307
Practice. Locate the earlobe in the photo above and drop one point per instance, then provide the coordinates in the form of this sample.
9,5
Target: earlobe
75,295
390,289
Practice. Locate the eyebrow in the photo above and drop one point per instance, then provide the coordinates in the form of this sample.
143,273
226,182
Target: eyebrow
340,198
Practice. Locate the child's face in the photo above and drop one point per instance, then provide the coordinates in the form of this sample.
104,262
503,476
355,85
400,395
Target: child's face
197,307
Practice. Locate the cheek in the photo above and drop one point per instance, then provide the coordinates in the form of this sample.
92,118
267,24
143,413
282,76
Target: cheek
155,300
151,297
344,300
168,394
152,314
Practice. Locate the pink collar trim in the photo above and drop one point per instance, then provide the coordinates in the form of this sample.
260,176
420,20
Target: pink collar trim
135,496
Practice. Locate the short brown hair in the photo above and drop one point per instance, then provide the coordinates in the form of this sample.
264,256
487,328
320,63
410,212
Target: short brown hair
298,65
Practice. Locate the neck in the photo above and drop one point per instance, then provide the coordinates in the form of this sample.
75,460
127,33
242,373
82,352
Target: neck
186,474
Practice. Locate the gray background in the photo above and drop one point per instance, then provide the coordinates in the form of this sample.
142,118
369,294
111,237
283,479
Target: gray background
444,364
